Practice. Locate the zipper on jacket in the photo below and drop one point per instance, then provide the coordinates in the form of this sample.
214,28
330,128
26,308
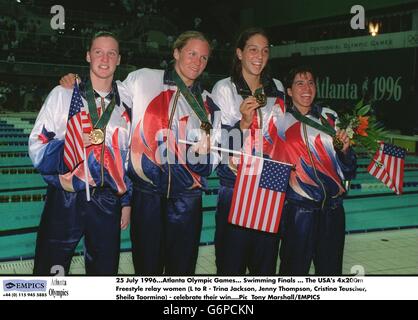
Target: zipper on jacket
313,164
170,123
102,159
260,137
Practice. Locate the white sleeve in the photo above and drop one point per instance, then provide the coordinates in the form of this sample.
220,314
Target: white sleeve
223,96
130,81
47,137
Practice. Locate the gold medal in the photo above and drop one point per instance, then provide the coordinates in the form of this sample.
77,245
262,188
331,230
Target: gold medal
261,99
338,144
97,136
206,126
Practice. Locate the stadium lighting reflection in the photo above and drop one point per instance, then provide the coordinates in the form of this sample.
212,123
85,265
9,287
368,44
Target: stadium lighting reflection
373,28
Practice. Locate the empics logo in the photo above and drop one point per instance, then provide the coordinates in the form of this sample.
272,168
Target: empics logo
9,285
24,285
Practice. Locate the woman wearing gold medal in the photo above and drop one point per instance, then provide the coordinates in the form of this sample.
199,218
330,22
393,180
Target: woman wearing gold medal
56,146
167,196
249,100
168,176
313,218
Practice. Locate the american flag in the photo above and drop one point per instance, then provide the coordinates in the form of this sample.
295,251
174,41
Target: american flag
78,122
259,193
388,166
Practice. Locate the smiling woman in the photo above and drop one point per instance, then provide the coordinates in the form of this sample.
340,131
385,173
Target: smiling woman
191,58
103,56
313,217
303,92
167,199
238,248
253,57
74,161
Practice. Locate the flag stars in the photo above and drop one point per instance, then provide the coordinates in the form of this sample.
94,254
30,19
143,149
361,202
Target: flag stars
274,176
393,150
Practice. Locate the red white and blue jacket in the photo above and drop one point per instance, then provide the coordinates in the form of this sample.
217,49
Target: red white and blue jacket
161,111
320,170
228,95
107,162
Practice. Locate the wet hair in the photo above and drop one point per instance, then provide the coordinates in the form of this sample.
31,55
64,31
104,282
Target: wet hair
183,38
102,34
236,72
288,82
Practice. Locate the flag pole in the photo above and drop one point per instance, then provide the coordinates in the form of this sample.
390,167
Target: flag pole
86,180
238,153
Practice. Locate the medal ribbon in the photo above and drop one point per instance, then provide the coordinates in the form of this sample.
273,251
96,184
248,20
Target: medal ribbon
324,127
196,103
91,102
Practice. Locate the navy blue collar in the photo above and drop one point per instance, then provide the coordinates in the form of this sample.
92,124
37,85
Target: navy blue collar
269,87
168,80
109,96
316,110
